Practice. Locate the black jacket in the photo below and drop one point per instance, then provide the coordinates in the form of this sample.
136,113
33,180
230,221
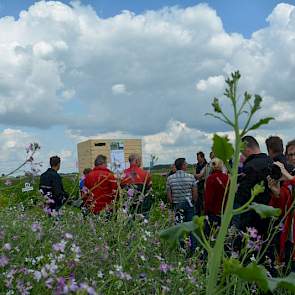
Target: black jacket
256,170
51,185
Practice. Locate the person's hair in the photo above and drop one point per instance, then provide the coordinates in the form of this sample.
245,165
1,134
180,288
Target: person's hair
289,144
100,160
133,157
217,164
250,142
54,161
86,171
201,154
275,144
179,163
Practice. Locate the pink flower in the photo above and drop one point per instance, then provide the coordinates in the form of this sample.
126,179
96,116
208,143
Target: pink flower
164,267
252,231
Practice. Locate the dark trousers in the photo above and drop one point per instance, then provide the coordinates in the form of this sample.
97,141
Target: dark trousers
200,201
183,213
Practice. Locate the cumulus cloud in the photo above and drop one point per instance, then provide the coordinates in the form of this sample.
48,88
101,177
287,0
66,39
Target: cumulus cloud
55,52
216,82
64,65
12,148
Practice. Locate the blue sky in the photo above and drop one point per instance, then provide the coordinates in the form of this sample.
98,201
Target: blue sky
240,16
69,72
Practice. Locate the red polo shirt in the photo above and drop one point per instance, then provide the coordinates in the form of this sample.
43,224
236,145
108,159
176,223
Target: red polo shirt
102,183
136,175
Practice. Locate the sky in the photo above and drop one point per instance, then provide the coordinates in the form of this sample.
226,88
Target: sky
70,71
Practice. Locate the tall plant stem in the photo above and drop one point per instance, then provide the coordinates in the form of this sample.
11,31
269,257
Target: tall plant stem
215,257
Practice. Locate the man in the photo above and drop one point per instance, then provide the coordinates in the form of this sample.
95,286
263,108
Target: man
201,164
140,181
182,193
290,152
255,171
275,149
102,184
51,185
135,175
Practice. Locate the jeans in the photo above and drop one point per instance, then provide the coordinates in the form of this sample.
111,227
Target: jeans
183,213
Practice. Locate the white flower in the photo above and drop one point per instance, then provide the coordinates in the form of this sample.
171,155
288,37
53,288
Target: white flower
100,274
69,236
37,275
7,247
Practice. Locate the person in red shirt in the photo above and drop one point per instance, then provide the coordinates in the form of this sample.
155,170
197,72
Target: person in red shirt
282,198
135,175
102,184
139,182
215,189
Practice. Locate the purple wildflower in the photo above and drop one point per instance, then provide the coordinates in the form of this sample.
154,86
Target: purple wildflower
164,267
59,247
36,227
3,261
252,231
130,193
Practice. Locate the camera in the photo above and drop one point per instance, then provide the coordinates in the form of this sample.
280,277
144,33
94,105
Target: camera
274,171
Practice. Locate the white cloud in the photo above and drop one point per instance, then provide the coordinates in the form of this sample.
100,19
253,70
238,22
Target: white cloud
64,65
12,148
215,82
119,89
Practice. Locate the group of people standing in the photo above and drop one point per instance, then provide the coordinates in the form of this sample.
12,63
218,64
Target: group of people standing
201,193
204,193
99,186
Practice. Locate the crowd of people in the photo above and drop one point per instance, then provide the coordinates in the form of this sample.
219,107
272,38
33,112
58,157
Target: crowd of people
203,192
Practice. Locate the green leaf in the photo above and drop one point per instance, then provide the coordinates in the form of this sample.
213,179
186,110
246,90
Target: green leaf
261,122
222,148
257,189
173,234
257,273
265,211
216,105
285,283
251,273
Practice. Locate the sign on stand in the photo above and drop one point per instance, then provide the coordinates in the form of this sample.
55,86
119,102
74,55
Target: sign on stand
117,156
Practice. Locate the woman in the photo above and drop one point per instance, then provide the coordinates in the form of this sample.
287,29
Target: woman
215,191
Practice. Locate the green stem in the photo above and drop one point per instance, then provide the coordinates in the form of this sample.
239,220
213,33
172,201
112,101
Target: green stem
215,257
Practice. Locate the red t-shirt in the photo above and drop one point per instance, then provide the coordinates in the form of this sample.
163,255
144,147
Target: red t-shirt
214,192
136,175
102,183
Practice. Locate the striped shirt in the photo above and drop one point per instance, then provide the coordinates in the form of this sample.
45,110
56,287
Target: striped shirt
181,184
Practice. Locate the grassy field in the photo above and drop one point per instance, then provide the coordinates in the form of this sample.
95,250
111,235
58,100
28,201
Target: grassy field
74,253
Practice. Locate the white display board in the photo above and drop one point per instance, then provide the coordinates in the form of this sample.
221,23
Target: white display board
117,156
